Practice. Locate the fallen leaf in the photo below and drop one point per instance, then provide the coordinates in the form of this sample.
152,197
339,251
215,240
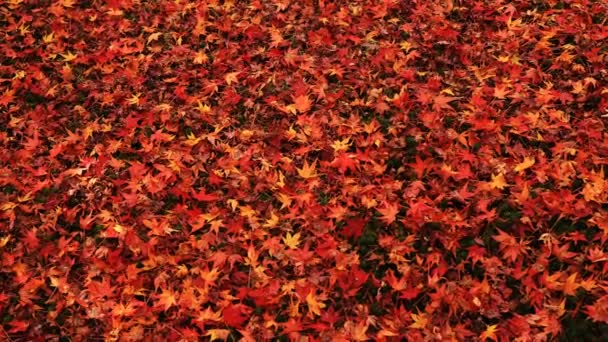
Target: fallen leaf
292,241
302,103
498,181
307,171
314,306
526,164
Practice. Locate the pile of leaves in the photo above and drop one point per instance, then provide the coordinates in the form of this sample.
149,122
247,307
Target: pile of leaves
303,170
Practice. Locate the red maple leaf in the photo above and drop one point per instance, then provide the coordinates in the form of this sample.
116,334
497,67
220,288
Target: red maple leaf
442,102
236,314
354,227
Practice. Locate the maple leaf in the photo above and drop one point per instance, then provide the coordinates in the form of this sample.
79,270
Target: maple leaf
200,57
498,182
307,171
571,285
167,299
341,145
208,315
292,241
489,333
235,315
420,321
210,276
153,37
527,163
442,102
285,200
18,326
218,334
156,227
134,100
344,162
314,306
7,97
204,197
68,57
354,227
358,332
302,103
594,189
389,212
272,221
397,284
231,77
202,108
48,38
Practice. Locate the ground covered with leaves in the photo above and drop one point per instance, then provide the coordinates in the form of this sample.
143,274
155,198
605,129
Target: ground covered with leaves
303,170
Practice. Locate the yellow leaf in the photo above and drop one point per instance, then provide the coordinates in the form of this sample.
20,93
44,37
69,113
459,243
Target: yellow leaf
527,163
405,45
307,171
503,59
489,333
252,257
153,37
48,38
594,189
290,133
209,316
281,181
68,57
272,221
285,200
498,182
118,228
341,145
203,108
292,241
313,305
231,77
67,3
247,211
134,100
8,206
192,139
447,91
4,240
232,203
218,334
25,198
420,321
200,57
578,87
290,109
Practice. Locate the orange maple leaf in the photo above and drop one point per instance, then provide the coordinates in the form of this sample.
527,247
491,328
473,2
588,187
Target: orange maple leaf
217,334
302,103
420,321
442,102
313,304
526,164
308,171
498,182
489,333
571,285
167,299
389,212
